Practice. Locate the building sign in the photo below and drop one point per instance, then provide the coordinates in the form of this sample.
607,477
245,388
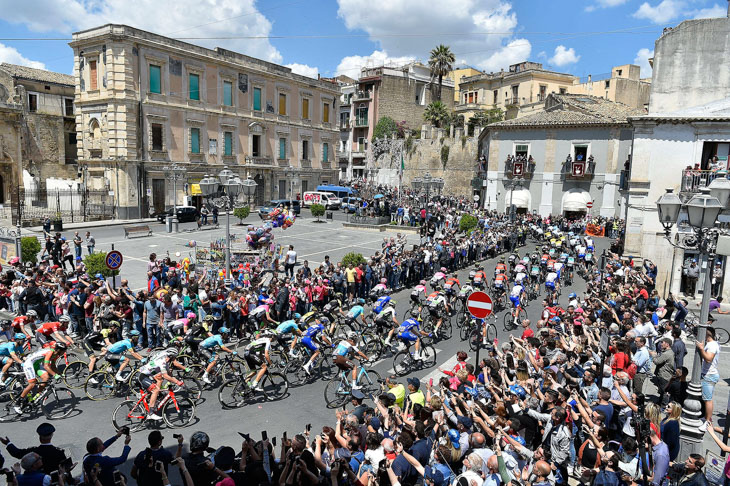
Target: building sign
312,198
579,169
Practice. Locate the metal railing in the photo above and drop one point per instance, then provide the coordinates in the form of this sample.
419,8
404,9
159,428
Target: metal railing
361,122
694,180
33,205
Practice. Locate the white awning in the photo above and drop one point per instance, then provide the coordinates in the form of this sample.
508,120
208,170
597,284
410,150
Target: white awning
576,201
519,197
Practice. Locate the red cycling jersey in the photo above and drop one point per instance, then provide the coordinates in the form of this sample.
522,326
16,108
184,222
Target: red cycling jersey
49,328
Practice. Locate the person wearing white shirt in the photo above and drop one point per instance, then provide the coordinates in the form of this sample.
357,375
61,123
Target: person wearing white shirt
290,260
710,375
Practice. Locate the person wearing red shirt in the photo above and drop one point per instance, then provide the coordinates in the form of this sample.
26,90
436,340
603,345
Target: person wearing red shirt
25,324
359,281
55,331
527,332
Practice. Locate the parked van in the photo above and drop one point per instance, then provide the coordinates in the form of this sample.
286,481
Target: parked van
326,199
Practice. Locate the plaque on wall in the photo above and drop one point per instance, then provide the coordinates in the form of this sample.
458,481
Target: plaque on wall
242,82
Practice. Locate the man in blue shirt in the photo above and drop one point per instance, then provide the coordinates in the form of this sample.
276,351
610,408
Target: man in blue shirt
643,361
107,465
660,458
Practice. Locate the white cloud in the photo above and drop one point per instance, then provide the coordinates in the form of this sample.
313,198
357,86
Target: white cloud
184,18
604,4
714,12
12,56
470,18
303,69
642,60
662,13
564,56
351,65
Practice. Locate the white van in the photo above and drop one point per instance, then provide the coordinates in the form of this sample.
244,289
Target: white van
326,199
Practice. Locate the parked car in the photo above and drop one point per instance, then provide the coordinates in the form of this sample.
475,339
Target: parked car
326,199
265,210
185,214
350,204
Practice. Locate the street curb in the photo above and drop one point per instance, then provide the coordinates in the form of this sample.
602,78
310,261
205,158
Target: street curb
94,224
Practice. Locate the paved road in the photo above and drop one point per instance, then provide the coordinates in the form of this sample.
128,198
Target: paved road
303,405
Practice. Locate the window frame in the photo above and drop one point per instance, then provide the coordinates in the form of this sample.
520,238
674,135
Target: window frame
192,74
325,151
326,109
95,79
260,91
228,143
196,130
37,99
305,153
159,79
152,137
308,115
284,147
515,146
223,92
285,97
73,107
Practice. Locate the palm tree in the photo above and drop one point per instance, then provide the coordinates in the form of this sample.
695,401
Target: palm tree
441,63
436,113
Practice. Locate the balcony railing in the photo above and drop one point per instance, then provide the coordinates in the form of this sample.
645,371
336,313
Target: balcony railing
306,164
283,162
578,169
694,180
468,106
361,122
363,95
259,160
519,166
345,125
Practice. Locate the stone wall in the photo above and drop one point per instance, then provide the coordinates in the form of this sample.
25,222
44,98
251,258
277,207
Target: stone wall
397,99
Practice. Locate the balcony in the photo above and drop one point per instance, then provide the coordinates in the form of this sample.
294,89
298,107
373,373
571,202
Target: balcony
515,100
259,160
363,95
519,167
359,150
345,125
283,162
305,164
578,170
460,107
326,164
361,122
694,180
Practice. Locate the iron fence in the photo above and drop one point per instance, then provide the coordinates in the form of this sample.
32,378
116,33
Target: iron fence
33,205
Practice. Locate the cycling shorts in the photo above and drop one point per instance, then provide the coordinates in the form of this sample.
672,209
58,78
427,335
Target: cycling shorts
193,342
146,382
550,285
5,360
309,344
33,370
433,310
115,358
415,298
515,300
254,359
89,347
408,336
342,363
207,354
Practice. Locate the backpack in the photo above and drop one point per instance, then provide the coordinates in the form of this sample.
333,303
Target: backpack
631,370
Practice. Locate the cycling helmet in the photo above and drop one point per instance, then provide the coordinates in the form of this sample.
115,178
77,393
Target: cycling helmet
269,301
422,282
60,346
361,301
113,323
134,332
519,391
224,330
352,336
324,320
392,303
612,303
32,313
199,441
297,315
99,276
572,295
171,352
191,315
64,319
19,337
555,319
209,318
443,270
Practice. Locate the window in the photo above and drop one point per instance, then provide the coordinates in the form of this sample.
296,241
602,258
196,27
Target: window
282,148
155,79
32,102
227,93
195,140
325,152
305,108
228,143
361,144
543,91
257,99
305,186
476,96
515,93
256,146
580,152
495,93
521,150
194,86
157,137
608,83
471,98
93,81
68,106
282,104
305,149
563,90
326,113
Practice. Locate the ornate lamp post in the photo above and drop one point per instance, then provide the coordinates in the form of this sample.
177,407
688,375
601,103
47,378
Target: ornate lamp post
702,213
249,188
425,184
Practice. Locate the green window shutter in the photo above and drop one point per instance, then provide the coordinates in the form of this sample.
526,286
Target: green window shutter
325,152
195,140
155,86
227,93
228,143
194,87
257,99
282,148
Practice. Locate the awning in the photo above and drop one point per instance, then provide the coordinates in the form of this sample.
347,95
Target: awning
576,201
195,190
520,198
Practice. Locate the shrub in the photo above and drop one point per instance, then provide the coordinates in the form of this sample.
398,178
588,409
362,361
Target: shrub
468,223
96,263
444,155
29,249
317,210
241,213
385,128
353,259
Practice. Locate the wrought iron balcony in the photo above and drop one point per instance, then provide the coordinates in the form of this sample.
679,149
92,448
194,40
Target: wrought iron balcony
519,166
578,169
694,179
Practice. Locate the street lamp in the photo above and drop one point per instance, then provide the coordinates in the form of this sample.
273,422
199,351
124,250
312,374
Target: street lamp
174,172
249,188
425,184
232,186
702,213
516,182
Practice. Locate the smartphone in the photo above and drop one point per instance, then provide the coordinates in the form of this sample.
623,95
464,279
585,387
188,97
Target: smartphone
245,436
430,382
284,435
264,435
176,436
159,466
273,440
117,477
54,477
125,430
175,461
309,427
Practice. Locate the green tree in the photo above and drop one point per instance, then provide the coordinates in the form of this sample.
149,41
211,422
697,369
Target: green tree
441,63
29,248
241,213
353,259
96,263
484,118
468,223
317,211
385,128
436,113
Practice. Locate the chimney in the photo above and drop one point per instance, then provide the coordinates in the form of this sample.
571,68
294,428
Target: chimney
589,76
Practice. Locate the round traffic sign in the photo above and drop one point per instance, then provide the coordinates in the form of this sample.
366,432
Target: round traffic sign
479,304
114,260
589,204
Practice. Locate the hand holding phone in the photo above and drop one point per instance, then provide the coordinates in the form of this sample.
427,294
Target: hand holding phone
159,466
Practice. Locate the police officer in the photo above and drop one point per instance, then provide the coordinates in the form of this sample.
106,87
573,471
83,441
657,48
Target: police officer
360,409
52,456
415,395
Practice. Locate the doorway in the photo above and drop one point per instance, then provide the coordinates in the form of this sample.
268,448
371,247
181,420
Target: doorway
259,194
158,195
282,188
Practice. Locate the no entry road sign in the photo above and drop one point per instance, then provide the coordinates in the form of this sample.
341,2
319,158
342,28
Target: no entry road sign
479,305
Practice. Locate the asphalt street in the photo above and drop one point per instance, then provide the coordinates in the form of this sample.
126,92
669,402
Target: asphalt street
303,405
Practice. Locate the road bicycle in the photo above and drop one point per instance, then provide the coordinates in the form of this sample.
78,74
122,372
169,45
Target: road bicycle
446,329
176,410
54,401
236,392
405,362
692,322
482,333
103,384
227,366
513,319
339,389
414,310
295,372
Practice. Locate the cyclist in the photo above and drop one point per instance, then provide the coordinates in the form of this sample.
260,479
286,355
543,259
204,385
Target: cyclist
558,268
345,349
151,376
521,276
26,324
435,307
208,349
569,264
518,291
97,340
384,318
290,328
551,283
452,283
353,315
256,354
260,315
10,353
309,340
198,332
416,294
181,326
40,364
480,277
114,354
54,331
500,285
407,334
501,267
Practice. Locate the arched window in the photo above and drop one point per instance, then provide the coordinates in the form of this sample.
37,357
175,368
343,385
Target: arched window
95,134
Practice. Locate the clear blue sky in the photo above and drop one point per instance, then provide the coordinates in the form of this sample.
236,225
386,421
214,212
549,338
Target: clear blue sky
339,36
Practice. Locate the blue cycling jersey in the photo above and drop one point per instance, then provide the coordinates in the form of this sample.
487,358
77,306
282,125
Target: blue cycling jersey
287,326
212,342
7,348
314,330
356,311
381,303
408,325
120,347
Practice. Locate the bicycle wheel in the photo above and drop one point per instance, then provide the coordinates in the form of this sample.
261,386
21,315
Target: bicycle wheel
369,382
100,385
475,339
279,360
491,332
232,394
428,356
521,316
721,335
327,368
7,412
335,393
446,330
178,412
371,345
129,413
75,374
275,386
509,322
402,362
58,403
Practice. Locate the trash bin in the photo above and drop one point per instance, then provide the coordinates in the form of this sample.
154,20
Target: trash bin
168,223
58,225
328,215
175,225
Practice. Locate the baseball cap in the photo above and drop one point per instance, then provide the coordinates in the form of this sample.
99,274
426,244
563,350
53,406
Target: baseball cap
466,422
434,475
415,382
375,423
357,394
453,436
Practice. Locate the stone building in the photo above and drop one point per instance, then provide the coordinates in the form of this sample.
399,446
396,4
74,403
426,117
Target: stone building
566,159
146,102
674,144
37,129
457,74
623,85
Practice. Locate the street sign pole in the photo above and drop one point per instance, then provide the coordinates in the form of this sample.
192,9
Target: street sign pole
479,305
113,262
114,280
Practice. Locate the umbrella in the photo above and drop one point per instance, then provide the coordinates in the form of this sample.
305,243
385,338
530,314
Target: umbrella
378,196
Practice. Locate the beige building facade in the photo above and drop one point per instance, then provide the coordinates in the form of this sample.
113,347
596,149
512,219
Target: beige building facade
457,75
623,85
146,102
